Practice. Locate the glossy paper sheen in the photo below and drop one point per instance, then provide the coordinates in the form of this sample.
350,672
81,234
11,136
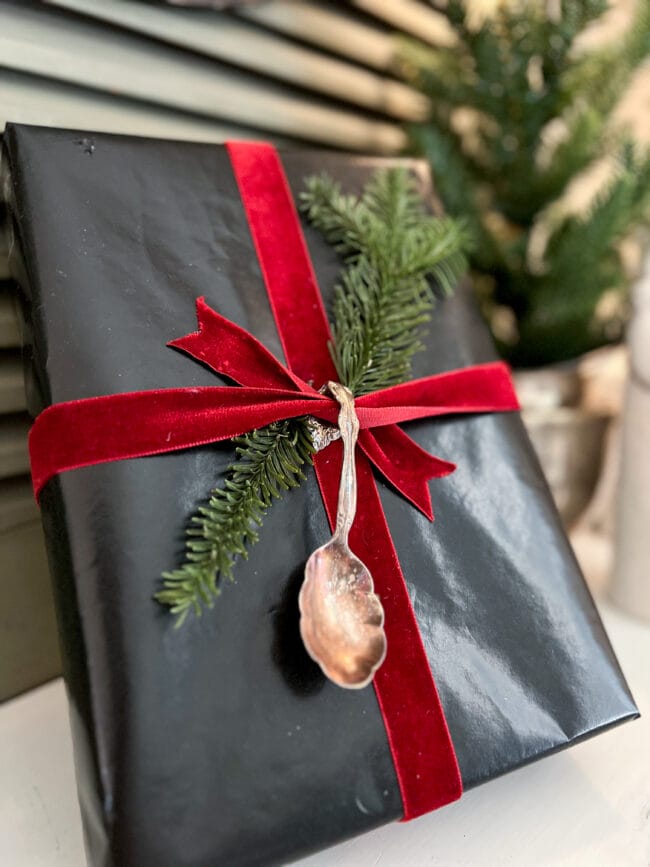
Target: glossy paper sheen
221,742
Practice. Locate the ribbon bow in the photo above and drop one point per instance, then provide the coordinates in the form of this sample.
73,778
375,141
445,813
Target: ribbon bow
79,433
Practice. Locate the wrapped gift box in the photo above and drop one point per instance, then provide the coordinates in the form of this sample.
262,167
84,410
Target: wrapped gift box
221,742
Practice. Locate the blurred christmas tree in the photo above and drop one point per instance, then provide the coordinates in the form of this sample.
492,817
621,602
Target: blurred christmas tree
517,112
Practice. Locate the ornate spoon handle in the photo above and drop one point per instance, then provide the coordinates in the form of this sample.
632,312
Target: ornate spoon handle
349,427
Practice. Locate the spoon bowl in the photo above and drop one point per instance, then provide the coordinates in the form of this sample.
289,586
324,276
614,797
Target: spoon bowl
342,618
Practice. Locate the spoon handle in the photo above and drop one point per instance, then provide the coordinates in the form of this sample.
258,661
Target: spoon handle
349,427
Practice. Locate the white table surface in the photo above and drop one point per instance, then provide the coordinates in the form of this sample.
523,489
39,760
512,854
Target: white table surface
588,806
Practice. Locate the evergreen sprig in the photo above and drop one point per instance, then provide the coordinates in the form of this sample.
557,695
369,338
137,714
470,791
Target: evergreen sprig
390,247
269,461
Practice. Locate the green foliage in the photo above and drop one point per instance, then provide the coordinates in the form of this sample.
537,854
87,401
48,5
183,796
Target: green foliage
270,460
391,248
521,76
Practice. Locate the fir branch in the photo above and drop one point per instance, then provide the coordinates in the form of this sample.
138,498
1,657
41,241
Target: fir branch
343,220
391,248
562,301
624,201
579,149
600,77
457,184
270,461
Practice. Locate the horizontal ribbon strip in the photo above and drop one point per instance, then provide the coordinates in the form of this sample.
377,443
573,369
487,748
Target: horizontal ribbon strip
81,433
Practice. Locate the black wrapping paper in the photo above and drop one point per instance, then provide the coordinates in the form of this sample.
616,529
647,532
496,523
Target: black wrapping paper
221,742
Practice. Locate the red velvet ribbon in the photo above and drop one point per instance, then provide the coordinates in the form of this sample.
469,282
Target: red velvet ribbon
81,433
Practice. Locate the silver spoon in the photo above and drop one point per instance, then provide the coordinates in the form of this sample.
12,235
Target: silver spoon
342,618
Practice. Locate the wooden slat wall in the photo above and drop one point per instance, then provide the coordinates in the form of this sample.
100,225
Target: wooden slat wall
14,422
177,68
238,42
9,332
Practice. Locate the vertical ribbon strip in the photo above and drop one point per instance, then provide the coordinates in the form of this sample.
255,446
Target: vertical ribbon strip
417,732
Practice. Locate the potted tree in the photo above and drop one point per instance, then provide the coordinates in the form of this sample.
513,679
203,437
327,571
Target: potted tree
520,109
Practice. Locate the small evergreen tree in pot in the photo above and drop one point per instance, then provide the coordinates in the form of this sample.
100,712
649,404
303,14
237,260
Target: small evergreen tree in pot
540,114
